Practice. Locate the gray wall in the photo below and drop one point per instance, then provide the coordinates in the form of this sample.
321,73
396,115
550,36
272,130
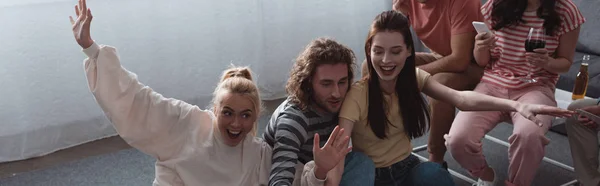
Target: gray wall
177,47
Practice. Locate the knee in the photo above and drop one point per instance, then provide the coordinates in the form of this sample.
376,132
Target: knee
458,143
529,138
574,105
581,103
430,173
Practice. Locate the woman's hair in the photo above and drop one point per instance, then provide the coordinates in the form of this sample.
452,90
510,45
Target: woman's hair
238,80
413,108
319,52
510,13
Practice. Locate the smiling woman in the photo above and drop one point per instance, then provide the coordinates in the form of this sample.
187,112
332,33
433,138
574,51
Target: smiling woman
237,104
385,111
192,146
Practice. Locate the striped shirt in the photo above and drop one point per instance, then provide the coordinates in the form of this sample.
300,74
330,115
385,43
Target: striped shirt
291,134
508,62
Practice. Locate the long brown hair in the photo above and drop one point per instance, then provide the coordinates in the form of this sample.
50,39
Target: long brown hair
510,13
412,105
319,52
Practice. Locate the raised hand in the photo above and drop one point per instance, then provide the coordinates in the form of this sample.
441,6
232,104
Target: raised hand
81,25
529,111
330,155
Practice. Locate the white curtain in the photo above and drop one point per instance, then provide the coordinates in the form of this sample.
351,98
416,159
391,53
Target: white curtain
177,47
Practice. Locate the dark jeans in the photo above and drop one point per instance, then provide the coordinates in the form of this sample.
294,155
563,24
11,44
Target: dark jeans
411,171
359,169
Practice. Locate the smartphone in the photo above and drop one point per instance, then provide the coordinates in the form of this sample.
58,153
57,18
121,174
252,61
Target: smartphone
480,27
592,117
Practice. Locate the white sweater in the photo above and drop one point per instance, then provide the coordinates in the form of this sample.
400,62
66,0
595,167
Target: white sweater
181,136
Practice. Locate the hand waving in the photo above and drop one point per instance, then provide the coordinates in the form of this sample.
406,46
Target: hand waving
529,111
81,26
335,150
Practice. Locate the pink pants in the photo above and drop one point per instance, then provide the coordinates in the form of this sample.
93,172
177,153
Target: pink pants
527,141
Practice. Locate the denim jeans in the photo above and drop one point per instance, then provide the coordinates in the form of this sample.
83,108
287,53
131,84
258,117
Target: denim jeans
358,170
411,171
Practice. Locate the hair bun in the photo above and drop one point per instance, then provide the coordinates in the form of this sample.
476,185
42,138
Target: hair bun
233,71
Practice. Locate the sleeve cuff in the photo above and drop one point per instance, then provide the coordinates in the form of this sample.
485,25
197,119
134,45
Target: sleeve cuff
92,51
314,178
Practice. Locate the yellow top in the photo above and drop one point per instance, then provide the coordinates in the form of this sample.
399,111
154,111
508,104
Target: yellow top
383,152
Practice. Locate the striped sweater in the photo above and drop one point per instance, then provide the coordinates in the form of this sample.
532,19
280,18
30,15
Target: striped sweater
291,133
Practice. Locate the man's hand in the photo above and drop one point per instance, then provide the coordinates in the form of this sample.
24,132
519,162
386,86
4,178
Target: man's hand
327,157
81,25
587,122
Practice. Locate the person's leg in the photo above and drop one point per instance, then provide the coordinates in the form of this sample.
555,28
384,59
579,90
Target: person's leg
442,113
464,139
584,146
383,177
528,140
397,174
430,174
359,169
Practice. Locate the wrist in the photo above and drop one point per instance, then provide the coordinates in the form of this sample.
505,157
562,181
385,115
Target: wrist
92,50
86,44
517,106
320,173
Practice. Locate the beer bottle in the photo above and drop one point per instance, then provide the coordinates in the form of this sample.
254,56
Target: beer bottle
581,81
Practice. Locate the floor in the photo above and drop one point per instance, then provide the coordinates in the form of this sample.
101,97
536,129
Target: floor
113,144
103,146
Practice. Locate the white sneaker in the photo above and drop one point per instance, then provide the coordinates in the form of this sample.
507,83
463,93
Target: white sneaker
487,183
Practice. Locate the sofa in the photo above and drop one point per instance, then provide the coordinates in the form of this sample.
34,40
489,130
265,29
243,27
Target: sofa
588,44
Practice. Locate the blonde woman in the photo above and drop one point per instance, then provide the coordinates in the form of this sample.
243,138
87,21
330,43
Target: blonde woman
192,146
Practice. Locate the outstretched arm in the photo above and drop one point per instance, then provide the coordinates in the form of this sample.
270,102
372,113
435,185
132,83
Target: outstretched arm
473,101
145,119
